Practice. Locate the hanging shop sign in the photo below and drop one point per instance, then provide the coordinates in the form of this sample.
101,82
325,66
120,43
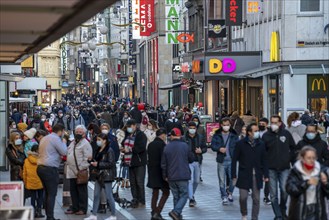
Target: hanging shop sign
253,7
146,17
312,43
216,28
124,78
185,67
233,12
132,60
226,65
197,66
172,8
185,38
176,68
135,9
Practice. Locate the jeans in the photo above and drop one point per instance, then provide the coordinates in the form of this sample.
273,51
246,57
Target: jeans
255,200
37,197
179,190
50,179
281,177
155,206
125,172
195,179
137,183
224,169
109,194
79,196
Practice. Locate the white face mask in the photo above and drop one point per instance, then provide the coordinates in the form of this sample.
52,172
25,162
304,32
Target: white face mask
296,123
130,130
43,119
192,131
99,143
18,142
226,128
150,127
105,131
274,127
196,123
14,126
144,113
256,135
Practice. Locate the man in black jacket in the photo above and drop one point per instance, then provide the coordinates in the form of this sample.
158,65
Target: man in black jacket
251,154
280,148
137,142
175,169
312,138
198,147
136,114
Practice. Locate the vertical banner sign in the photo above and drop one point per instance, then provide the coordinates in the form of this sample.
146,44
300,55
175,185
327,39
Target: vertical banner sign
63,56
130,32
233,12
217,28
146,17
135,19
172,21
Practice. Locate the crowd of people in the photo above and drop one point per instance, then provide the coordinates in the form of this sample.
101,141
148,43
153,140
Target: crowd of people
94,136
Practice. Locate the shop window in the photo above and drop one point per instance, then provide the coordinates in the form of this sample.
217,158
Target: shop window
309,5
318,104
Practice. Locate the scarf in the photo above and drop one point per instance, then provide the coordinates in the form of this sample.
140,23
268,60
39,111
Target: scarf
128,144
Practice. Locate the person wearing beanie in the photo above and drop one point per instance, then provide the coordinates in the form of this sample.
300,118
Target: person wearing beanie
28,140
22,127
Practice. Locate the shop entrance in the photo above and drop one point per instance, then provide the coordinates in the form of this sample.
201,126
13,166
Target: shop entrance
255,101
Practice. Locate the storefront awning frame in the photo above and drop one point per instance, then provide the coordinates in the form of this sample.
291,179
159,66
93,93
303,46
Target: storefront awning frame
259,72
170,86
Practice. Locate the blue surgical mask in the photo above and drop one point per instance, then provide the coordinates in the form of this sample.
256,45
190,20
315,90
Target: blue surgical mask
256,135
99,143
18,142
310,136
130,130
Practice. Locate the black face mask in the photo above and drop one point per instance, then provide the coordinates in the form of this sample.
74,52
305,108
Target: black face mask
262,127
77,137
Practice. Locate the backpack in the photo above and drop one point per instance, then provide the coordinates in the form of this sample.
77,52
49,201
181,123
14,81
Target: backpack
114,144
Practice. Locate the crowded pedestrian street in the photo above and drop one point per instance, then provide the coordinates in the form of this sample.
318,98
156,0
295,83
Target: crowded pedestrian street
164,109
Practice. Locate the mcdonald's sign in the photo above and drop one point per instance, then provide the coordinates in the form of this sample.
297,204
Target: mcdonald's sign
320,83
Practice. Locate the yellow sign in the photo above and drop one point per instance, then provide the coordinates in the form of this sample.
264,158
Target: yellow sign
275,47
131,79
318,83
253,7
28,63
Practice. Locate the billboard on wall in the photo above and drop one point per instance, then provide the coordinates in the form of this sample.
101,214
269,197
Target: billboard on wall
233,12
172,8
217,28
135,16
146,14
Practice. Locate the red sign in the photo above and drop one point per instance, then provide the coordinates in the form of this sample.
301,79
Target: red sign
211,128
185,68
146,17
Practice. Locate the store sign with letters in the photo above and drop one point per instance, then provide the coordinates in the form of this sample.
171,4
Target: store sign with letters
226,65
172,9
11,194
146,14
233,12
318,84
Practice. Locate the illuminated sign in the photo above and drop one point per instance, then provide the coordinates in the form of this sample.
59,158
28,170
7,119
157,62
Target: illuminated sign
147,17
217,28
275,47
233,12
196,66
253,7
226,65
185,38
185,68
135,19
172,21
319,82
78,74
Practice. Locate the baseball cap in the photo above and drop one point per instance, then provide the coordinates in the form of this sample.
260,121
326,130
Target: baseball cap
176,132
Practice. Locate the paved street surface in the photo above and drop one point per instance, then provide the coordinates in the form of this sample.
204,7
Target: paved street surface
207,196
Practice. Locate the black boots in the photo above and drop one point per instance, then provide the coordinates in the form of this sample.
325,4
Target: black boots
38,213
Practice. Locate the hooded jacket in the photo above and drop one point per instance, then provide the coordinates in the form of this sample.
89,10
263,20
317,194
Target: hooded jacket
30,176
297,187
194,142
16,159
320,146
217,142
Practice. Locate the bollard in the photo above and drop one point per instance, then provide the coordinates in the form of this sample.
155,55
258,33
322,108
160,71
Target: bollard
66,190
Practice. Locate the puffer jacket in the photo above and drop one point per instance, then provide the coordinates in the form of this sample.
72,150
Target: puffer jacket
296,187
30,176
16,159
106,164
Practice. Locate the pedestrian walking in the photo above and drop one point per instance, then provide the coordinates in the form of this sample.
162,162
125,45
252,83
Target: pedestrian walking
295,127
307,187
104,162
155,179
237,122
150,131
175,169
280,148
51,149
250,153
78,154
198,146
223,143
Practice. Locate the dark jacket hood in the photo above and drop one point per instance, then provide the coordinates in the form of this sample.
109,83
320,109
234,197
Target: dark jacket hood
316,139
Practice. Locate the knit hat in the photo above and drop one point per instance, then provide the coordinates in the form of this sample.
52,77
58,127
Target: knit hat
22,126
30,133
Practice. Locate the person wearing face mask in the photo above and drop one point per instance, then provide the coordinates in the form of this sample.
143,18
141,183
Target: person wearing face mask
12,126
198,147
25,119
312,138
280,150
150,132
126,117
78,154
307,187
172,123
44,124
223,143
111,134
61,119
28,140
155,180
52,119
16,156
145,121
250,153
136,114
295,127
135,156
76,119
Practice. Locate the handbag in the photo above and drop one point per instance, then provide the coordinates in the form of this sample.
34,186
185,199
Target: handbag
82,175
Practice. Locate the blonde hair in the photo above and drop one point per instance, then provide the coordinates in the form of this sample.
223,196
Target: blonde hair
12,137
304,150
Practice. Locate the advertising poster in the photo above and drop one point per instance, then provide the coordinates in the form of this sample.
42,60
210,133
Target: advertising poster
11,194
217,28
147,17
211,128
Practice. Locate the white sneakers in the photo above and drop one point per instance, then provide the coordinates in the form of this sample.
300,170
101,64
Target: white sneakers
244,217
91,217
111,218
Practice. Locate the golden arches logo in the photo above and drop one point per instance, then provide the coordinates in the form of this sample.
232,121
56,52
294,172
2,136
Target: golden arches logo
318,83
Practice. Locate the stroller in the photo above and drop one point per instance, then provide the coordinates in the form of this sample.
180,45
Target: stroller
123,203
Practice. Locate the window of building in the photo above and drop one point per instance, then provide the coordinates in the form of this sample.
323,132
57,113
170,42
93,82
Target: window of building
309,5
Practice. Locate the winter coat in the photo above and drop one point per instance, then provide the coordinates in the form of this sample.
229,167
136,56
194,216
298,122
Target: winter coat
30,176
248,119
139,154
175,161
28,146
250,158
173,123
62,120
107,117
217,142
83,151
106,164
150,135
194,142
297,187
16,116
136,114
75,122
154,153
280,148
16,159
297,132
120,134
306,119
237,124
321,148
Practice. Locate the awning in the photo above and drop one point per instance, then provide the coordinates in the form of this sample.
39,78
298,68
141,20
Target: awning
11,77
12,100
259,72
308,69
171,86
32,83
